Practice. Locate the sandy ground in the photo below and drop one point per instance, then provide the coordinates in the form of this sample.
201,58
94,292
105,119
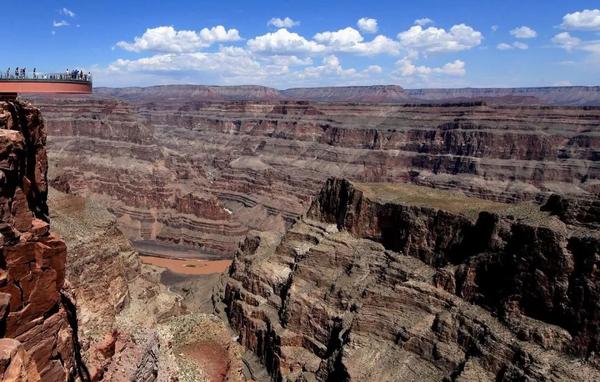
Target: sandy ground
188,267
212,357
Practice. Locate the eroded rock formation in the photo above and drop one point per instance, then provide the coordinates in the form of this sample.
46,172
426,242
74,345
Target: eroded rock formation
37,320
396,282
202,174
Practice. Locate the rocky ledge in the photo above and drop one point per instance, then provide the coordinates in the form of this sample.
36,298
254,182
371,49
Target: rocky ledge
384,282
38,322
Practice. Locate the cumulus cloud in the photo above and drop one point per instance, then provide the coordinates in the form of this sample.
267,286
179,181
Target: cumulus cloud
569,43
349,40
59,24
566,41
459,37
288,60
283,23
514,45
228,60
67,12
367,25
341,38
423,21
167,39
588,19
406,68
523,32
284,41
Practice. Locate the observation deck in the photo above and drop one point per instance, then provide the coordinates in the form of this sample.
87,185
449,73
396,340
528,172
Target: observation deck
45,83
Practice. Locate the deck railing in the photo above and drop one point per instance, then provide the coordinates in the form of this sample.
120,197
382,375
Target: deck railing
66,77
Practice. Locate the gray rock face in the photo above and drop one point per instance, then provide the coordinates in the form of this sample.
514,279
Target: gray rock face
378,284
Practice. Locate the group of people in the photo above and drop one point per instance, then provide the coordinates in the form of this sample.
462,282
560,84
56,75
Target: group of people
78,75
21,73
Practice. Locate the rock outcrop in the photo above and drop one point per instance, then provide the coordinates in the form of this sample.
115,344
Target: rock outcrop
37,320
385,282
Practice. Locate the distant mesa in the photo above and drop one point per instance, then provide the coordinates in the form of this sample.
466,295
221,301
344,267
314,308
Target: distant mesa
379,94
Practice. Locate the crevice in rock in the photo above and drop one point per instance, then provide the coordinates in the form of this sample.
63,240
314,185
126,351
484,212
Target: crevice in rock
81,370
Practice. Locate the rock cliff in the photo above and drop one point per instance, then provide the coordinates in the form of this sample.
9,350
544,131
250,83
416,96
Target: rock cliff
38,321
385,282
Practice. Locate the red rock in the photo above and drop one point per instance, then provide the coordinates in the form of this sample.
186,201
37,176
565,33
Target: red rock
33,260
16,364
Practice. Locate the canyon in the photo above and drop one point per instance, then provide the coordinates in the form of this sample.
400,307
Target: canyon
374,233
199,175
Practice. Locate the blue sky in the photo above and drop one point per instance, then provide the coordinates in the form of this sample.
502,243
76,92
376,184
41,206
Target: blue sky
283,44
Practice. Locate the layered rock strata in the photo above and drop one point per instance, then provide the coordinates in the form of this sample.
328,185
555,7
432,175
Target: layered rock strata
387,282
37,319
200,174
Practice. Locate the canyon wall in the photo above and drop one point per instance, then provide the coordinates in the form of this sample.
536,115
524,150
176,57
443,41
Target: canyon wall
38,321
385,282
201,174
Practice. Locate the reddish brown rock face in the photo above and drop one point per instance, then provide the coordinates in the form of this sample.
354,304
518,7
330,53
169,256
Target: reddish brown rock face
38,341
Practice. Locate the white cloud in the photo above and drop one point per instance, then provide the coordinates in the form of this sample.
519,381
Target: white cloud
375,69
67,12
588,19
59,24
516,44
569,43
341,38
494,28
228,60
332,68
284,41
367,25
349,40
168,40
219,34
288,60
423,21
520,45
379,45
566,41
283,23
406,68
459,37
523,32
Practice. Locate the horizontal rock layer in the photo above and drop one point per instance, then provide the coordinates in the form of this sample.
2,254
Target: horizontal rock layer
202,174
378,283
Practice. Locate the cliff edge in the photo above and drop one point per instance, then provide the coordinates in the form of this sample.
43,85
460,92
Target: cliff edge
38,323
